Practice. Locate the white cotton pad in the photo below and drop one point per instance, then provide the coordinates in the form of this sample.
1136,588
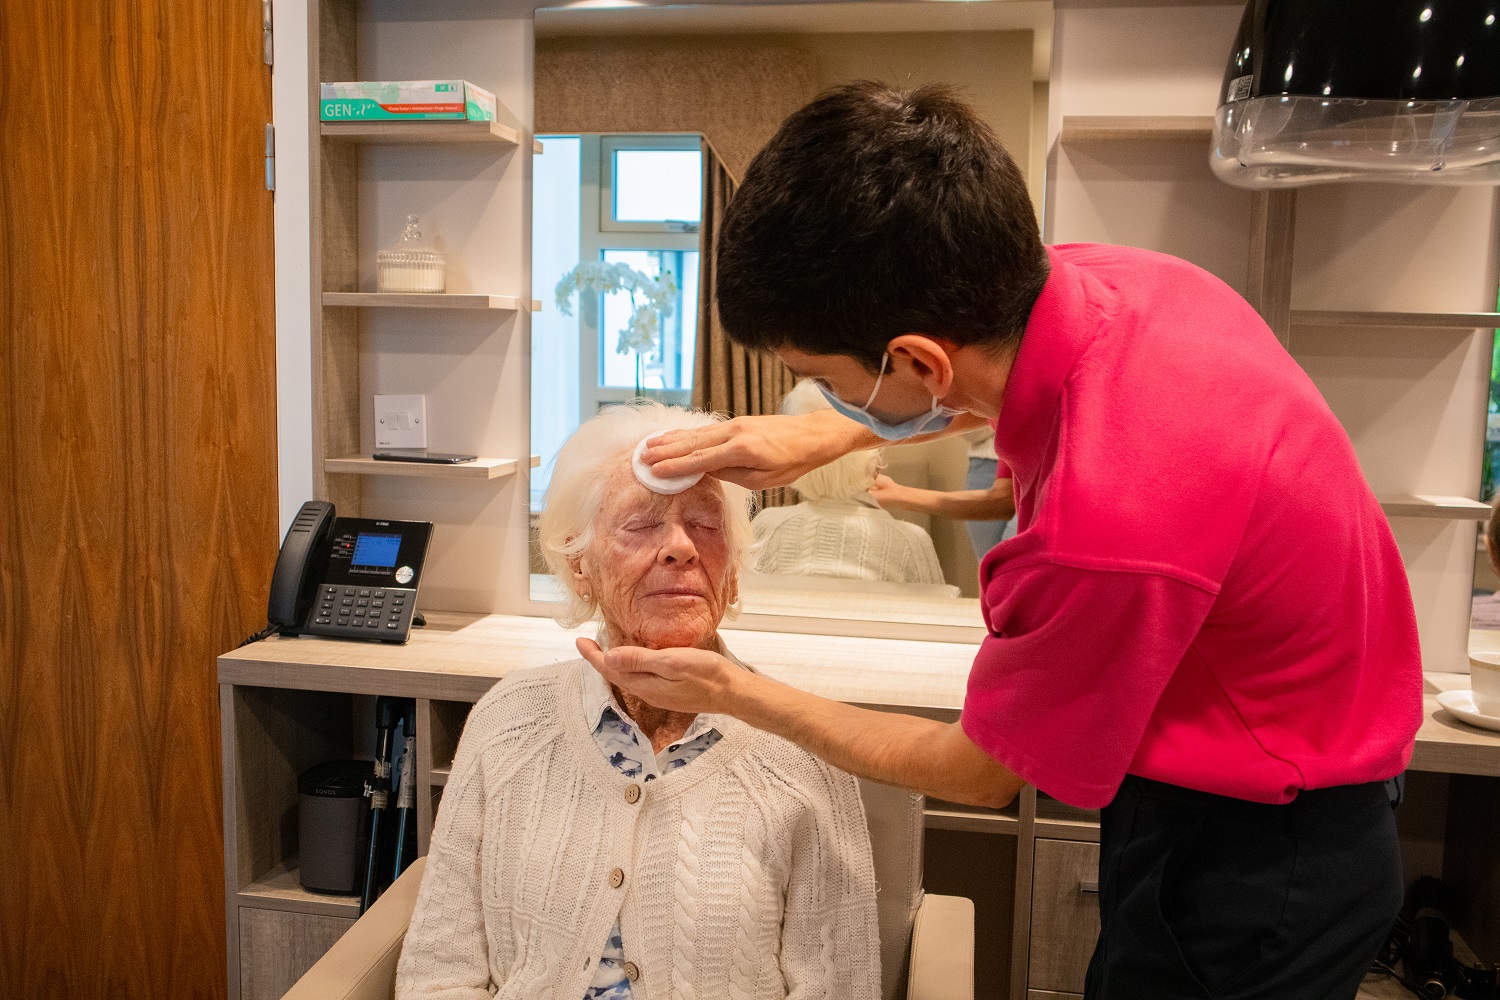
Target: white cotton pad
655,483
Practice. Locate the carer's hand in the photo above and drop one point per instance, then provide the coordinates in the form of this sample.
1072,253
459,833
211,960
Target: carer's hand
887,492
678,680
757,452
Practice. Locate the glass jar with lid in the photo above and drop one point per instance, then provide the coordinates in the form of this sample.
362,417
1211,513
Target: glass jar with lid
410,265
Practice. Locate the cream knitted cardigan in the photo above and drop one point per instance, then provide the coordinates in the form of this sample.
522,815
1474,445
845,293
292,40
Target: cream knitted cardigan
746,875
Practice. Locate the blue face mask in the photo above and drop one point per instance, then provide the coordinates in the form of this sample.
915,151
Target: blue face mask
935,419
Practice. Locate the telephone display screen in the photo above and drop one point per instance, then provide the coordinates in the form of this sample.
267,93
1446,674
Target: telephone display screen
376,550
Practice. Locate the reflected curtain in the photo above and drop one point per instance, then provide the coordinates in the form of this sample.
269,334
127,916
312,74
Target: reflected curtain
726,377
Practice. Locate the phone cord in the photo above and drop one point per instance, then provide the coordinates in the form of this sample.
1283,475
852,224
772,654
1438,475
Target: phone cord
264,633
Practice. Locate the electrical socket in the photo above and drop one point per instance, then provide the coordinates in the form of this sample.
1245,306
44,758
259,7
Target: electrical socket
400,421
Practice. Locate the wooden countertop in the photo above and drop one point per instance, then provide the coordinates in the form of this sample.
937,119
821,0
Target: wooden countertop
459,657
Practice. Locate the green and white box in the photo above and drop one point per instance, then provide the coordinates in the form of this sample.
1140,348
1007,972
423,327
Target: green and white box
406,100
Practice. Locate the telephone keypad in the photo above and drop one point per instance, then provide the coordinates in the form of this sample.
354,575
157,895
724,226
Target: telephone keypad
354,612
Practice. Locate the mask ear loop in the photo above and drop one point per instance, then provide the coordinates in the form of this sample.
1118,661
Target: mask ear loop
885,360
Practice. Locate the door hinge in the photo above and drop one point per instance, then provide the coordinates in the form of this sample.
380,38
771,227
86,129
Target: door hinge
270,157
265,31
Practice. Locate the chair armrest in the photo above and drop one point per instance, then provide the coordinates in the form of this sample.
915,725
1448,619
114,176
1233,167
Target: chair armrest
942,950
361,965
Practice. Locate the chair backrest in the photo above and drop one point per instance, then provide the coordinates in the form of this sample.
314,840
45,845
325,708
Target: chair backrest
895,818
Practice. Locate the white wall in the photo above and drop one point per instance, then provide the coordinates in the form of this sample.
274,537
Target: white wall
291,105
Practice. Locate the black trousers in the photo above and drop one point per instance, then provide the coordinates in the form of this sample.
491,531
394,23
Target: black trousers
1208,896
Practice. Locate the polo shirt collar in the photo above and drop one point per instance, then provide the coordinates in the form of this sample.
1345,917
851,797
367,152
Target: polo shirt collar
1062,325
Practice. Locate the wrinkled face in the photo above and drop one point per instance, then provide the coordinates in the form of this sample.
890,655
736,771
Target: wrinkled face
659,566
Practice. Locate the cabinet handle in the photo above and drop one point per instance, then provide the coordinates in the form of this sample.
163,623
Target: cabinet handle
1087,886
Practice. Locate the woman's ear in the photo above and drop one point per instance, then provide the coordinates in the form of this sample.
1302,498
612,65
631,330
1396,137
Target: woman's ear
579,577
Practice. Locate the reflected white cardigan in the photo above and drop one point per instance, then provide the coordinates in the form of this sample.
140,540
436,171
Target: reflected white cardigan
747,875
846,540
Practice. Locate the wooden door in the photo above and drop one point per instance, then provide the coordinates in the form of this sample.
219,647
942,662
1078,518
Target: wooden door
138,516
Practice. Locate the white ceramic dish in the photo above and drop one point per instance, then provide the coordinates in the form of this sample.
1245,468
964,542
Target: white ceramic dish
1461,704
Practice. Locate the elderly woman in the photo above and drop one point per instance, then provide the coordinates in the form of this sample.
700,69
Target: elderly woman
591,845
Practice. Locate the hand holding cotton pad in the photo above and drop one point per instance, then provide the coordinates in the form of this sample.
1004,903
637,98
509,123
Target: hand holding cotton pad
659,484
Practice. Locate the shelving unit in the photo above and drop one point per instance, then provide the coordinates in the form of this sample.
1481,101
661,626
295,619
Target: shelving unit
353,206
479,469
394,133
421,300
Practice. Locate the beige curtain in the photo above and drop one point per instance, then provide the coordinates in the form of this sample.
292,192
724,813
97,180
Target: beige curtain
726,377
735,90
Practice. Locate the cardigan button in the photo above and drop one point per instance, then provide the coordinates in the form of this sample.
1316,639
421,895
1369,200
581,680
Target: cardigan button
632,971
633,794
617,878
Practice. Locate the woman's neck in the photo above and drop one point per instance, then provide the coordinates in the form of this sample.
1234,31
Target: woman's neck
661,727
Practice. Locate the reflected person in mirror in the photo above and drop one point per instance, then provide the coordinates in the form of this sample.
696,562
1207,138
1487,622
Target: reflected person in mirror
838,530
591,844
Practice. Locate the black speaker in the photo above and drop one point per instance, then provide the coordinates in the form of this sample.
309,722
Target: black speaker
333,825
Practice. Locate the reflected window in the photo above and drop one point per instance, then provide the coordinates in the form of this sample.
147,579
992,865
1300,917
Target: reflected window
669,365
630,200
657,185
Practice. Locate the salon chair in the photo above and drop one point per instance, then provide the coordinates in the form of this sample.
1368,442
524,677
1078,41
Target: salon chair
926,942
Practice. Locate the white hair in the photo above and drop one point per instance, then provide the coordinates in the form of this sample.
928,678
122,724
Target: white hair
844,478
580,473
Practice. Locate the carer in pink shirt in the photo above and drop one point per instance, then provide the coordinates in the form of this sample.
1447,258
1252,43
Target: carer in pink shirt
1203,625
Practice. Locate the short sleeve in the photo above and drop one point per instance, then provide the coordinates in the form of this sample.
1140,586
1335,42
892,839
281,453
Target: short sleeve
1075,663
1002,471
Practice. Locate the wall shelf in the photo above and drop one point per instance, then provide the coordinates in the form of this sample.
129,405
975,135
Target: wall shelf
1438,507
1451,321
1123,128
422,300
480,468
412,133
279,889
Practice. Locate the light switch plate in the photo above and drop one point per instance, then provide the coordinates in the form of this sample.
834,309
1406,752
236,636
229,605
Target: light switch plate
400,421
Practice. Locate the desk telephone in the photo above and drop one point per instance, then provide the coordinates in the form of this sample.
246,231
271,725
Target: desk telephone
347,577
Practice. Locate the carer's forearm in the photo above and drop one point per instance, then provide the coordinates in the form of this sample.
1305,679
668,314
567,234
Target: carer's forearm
958,505
924,755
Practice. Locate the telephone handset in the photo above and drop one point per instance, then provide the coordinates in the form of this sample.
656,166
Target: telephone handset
347,577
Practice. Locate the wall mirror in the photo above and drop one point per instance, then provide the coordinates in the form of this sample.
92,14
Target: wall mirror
647,117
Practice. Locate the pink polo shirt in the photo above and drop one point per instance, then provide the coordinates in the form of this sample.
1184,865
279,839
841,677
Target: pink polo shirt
1203,590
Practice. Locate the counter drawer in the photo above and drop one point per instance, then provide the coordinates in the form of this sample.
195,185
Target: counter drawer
1064,915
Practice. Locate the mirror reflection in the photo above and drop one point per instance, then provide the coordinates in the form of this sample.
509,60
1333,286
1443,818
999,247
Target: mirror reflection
648,116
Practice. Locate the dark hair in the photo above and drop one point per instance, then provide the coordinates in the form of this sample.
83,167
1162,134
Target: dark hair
875,212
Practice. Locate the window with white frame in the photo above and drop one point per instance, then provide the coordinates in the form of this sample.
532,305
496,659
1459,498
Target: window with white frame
631,200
